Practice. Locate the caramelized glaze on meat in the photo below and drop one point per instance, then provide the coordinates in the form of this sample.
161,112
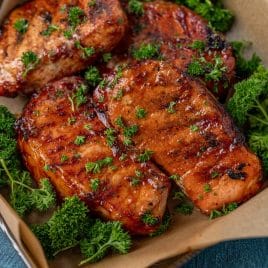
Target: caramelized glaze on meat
47,131
175,28
101,28
189,132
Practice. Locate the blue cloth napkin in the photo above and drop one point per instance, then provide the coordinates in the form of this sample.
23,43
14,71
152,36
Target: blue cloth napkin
249,253
9,258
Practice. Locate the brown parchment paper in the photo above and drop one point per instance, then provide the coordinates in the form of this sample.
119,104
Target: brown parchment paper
187,233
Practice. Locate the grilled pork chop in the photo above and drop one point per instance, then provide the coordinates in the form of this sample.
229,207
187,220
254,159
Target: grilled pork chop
46,40
61,138
175,28
187,131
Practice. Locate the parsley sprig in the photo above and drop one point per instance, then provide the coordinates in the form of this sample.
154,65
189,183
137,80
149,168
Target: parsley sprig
95,167
21,26
23,196
30,60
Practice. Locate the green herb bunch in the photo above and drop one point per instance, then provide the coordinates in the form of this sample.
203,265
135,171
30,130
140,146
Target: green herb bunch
249,107
23,196
70,226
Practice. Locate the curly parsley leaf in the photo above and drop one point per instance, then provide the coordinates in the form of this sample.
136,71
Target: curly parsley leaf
30,60
244,67
135,7
65,228
92,76
21,25
146,51
103,237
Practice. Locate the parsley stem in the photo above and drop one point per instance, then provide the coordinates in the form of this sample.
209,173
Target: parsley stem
262,109
258,119
101,249
63,249
2,161
11,178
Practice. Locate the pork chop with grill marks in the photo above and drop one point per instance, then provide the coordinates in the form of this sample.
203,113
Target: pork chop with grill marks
61,138
187,131
175,28
53,39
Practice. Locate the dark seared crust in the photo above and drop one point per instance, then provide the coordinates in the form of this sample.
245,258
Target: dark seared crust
44,135
198,142
58,56
174,28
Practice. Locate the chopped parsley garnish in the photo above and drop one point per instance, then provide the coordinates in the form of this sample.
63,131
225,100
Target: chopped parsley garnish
103,83
118,95
207,188
149,219
30,61
211,71
64,158
214,174
185,208
68,33
106,57
110,136
146,156
128,131
140,113
171,109
75,16
119,122
21,26
163,226
92,76
138,173
47,167
88,127
123,157
224,211
217,72
194,128
80,95
135,181
195,68
146,51
87,51
101,99
135,7
95,184
79,140
175,177
50,29
118,75
71,120
199,45
95,167
92,3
